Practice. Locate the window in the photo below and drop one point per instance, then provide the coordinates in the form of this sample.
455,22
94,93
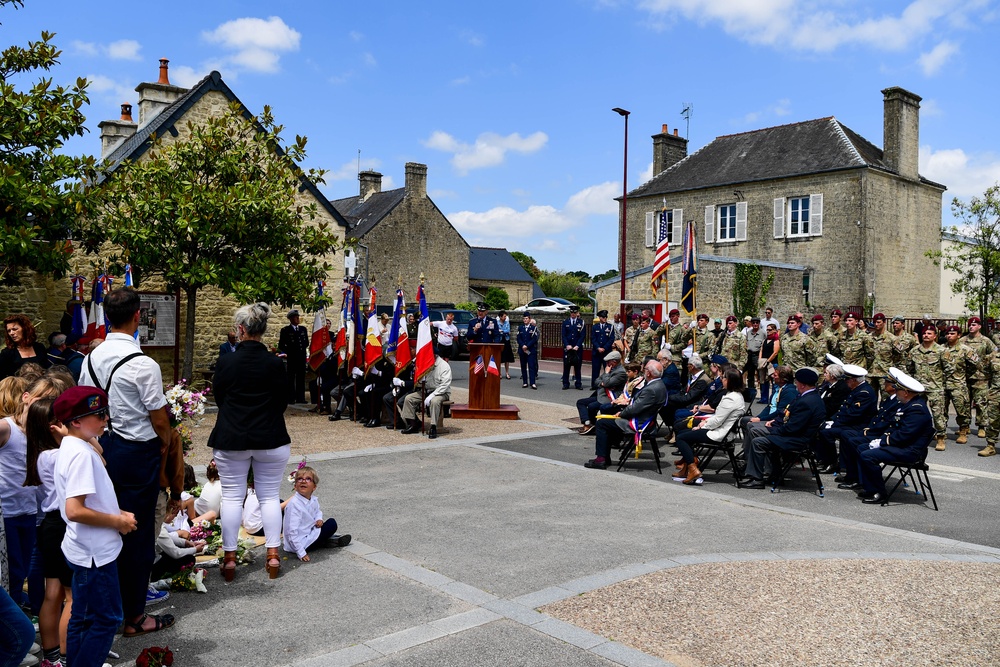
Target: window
797,217
726,223
674,231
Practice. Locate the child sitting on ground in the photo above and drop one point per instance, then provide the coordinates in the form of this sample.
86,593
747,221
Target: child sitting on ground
304,528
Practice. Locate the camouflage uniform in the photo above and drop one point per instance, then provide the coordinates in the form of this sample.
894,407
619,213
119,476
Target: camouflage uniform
992,369
978,382
733,346
855,348
647,344
905,342
824,343
927,367
959,363
629,337
883,357
705,345
677,345
797,350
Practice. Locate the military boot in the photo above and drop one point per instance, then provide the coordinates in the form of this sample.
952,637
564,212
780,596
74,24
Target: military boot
988,450
940,443
982,432
963,435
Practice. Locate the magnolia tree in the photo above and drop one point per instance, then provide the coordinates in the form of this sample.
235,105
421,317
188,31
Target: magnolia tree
218,208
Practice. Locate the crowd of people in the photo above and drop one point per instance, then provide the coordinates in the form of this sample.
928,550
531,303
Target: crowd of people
857,393
92,475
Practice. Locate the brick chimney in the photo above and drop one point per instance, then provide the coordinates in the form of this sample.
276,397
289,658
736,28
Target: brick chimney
668,149
901,134
371,182
416,179
155,97
116,132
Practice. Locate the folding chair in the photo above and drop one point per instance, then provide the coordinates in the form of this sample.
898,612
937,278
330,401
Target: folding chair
917,472
785,460
648,439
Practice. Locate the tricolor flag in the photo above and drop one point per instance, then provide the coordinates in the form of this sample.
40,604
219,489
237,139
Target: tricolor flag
661,261
492,368
425,346
689,268
480,366
95,321
373,344
79,327
320,346
352,317
128,276
399,340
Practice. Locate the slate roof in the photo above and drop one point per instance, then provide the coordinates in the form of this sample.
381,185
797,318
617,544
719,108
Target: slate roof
133,148
797,149
363,215
496,264
701,258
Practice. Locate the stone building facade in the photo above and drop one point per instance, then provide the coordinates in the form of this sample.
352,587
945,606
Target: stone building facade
813,194
402,234
496,267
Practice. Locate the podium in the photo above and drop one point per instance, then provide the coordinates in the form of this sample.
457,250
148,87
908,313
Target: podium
484,387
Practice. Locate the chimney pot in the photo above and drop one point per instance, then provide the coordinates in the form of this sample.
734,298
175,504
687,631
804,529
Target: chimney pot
664,128
675,132
127,112
667,150
370,182
164,79
416,179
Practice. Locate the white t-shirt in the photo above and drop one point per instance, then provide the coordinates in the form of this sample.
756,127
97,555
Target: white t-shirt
210,498
15,498
47,473
136,388
447,333
299,526
80,472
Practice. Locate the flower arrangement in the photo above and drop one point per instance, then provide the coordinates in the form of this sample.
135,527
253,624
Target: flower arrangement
302,464
211,533
154,656
205,530
185,405
190,578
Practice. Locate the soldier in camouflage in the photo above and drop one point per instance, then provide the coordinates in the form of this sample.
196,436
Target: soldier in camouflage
647,342
629,338
978,382
797,348
836,326
905,341
926,366
733,344
883,354
675,336
960,362
992,368
854,347
703,339
824,341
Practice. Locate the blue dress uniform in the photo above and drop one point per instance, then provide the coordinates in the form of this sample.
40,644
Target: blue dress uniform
854,414
602,337
483,328
572,337
527,351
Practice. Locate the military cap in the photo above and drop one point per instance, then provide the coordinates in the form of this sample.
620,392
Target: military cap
574,308
730,318
719,360
954,328
835,311
702,316
905,381
602,313
878,316
527,313
794,318
852,315
834,360
899,318
481,305
80,401
851,370
673,311
294,312
818,318
807,376
975,320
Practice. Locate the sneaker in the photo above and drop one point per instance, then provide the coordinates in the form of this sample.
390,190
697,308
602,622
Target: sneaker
154,596
28,661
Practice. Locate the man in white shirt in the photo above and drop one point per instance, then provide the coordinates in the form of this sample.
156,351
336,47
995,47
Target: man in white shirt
447,333
139,432
769,319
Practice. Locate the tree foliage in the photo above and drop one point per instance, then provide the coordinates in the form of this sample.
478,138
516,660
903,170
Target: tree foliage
42,192
497,299
977,263
561,284
749,292
610,273
528,263
218,208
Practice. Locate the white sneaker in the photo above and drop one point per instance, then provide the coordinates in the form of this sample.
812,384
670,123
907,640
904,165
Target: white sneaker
29,661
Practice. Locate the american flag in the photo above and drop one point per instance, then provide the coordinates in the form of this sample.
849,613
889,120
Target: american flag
480,366
661,261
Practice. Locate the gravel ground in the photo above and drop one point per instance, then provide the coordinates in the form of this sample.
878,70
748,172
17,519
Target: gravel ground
794,613
312,433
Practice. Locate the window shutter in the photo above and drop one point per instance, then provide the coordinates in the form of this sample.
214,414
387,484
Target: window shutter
816,215
678,230
709,224
741,221
779,218
650,229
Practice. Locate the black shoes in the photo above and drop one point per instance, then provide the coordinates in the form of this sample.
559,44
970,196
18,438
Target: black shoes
374,423
853,486
413,427
752,484
340,540
335,417
433,433
597,463
831,469
872,498
566,387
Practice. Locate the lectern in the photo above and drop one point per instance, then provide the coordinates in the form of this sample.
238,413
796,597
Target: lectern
484,387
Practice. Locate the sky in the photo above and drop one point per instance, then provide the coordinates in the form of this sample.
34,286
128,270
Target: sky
510,105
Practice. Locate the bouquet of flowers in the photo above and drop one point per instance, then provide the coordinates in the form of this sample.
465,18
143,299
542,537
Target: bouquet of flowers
154,656
302,464
205,530
185,405
189,579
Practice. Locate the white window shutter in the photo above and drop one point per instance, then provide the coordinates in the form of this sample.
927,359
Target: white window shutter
709,224
779,218
741,221
650,229
816,215
678,229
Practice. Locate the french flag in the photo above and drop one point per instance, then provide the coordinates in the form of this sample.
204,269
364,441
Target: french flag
96,327
492,368
425,346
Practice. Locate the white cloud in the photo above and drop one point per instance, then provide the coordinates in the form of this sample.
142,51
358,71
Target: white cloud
123,49
369,59
929,108
110,89
257,43
964,174
85,48
647,173
776,110
932,61
472,38
356,36
489,149
805,25
595,200
186,77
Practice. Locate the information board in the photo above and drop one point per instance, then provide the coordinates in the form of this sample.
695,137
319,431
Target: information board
157,319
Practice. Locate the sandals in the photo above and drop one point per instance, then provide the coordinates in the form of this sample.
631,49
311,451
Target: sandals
275,558
163,622
228,568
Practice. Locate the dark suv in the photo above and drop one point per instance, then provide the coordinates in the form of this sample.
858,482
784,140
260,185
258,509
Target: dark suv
462,318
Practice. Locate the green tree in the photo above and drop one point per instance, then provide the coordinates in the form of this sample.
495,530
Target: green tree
42,191
561,284
977,262
497,299
528,263
582,276
749,291
218,208
610,273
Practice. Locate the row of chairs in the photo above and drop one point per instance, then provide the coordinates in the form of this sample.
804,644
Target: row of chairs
915,472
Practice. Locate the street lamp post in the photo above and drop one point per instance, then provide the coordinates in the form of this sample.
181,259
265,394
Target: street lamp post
621,302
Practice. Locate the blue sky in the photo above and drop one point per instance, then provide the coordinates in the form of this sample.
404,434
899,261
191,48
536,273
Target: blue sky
510,105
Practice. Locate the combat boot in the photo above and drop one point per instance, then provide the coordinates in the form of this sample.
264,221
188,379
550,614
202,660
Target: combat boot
963,435
988,450
982,432
940,443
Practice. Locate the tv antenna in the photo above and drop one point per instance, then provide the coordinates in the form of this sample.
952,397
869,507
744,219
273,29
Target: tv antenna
687,108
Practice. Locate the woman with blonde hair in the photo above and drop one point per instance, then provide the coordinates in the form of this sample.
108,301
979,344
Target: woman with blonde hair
11,390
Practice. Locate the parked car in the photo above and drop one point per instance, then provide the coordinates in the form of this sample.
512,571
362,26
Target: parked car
462,319
546,305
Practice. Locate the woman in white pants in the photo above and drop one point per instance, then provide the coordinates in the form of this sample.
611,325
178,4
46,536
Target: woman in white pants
251,391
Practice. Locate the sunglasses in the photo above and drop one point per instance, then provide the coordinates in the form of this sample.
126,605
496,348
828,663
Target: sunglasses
304,479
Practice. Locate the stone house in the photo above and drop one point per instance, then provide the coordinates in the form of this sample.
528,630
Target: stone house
402,234
496,267
814,198
166,110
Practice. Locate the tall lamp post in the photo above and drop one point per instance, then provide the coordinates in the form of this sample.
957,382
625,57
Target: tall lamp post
621,302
